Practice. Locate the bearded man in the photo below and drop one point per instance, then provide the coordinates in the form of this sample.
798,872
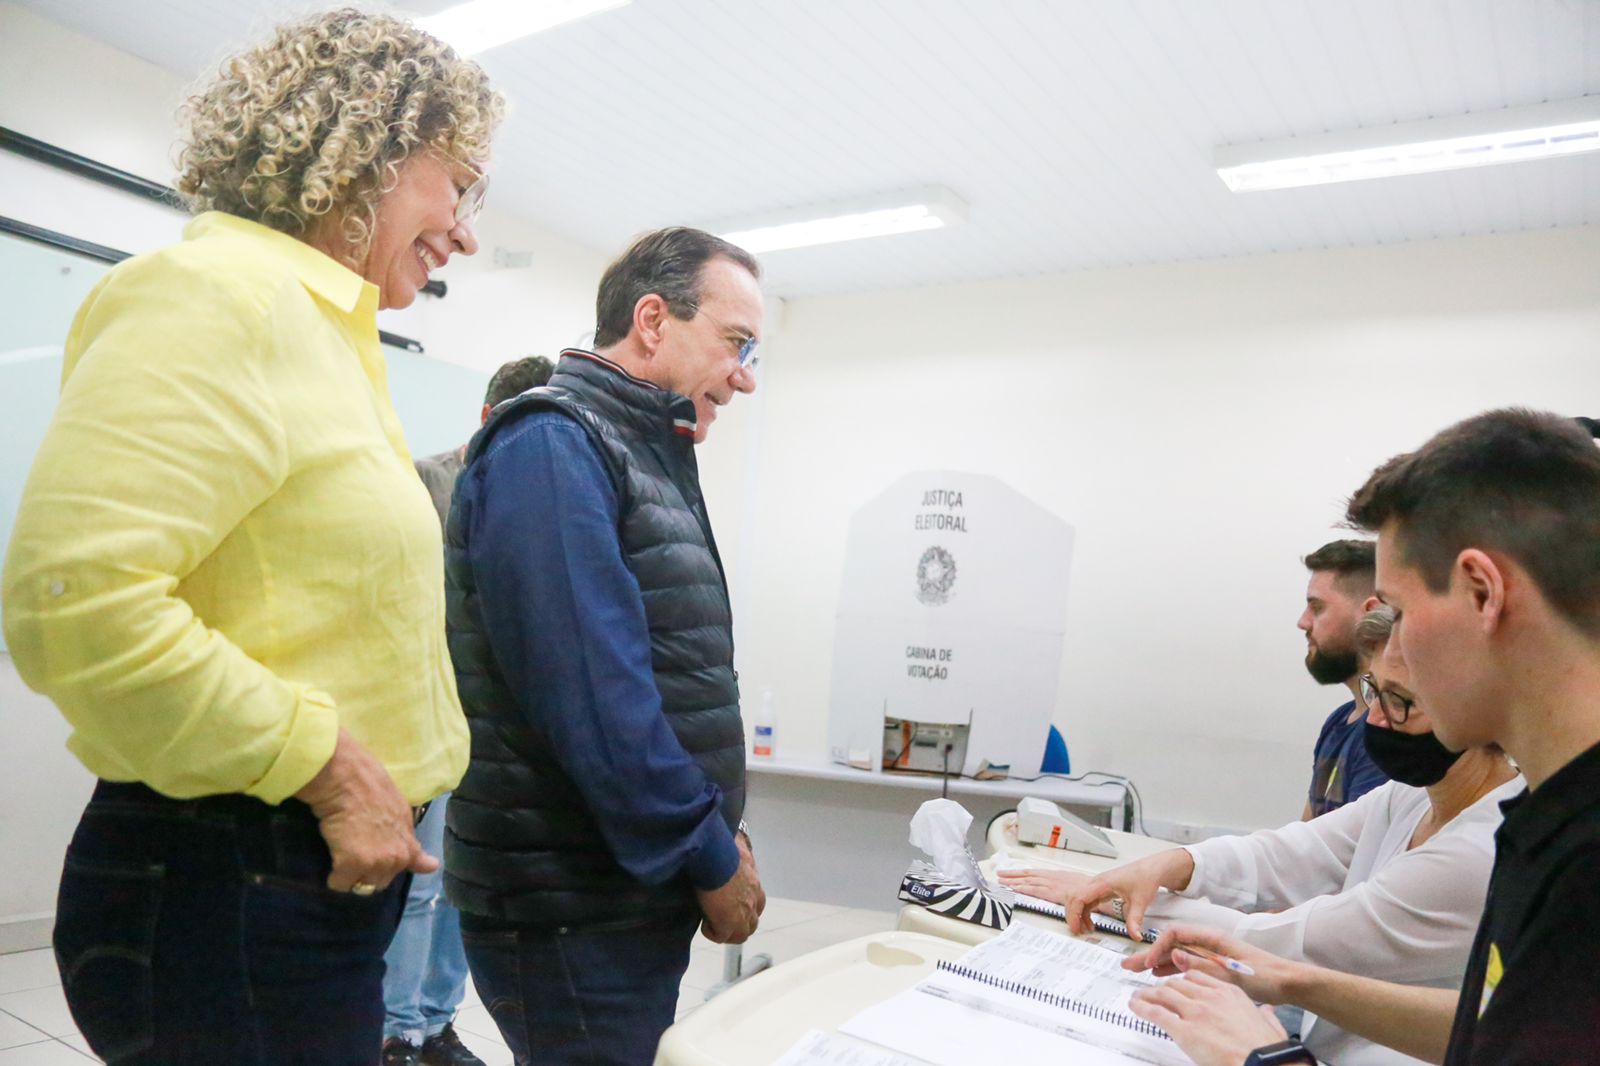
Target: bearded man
1343,574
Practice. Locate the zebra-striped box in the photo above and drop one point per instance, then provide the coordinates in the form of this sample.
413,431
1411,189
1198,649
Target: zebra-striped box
924,885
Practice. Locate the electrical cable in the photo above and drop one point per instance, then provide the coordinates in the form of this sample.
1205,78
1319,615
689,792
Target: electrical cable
1129,789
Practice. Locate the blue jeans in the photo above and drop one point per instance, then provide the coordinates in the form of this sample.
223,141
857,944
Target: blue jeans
427,968
197,932
595,996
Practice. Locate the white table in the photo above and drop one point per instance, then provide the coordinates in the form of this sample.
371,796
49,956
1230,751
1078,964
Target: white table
757,1020
1104,802
834,834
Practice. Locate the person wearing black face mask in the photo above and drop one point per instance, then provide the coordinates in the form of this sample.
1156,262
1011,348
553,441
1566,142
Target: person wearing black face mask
1400,740
1416,759
1390,886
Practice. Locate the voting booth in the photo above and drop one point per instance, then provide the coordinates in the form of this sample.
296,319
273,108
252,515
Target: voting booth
952,609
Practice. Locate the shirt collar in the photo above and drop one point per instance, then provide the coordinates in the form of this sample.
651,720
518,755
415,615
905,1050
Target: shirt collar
317,271
1532,818
642,402
596,357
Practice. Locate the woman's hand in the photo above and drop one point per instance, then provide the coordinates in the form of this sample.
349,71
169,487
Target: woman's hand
1214,1022
365,821
1053,885
1136,884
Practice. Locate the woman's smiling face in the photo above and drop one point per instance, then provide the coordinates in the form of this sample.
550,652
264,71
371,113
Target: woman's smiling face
416,230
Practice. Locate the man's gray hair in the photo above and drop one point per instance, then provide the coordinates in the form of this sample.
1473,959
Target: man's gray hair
668,263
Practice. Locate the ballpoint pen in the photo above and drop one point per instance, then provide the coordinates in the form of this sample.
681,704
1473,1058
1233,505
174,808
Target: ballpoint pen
1242,968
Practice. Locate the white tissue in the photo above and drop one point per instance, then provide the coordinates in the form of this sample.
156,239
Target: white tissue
940,828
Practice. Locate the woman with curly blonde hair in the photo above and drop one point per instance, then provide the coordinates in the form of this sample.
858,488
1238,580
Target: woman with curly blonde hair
227,575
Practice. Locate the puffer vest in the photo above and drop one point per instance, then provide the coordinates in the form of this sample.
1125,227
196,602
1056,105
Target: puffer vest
519,844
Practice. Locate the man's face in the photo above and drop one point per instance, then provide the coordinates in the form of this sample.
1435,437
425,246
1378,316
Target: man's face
699,357
1329,623
1439,641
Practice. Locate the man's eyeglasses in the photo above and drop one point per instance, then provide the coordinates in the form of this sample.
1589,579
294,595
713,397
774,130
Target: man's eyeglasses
1396,708
470,202
748,359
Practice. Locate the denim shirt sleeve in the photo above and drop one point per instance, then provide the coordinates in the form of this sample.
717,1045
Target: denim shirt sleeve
565,619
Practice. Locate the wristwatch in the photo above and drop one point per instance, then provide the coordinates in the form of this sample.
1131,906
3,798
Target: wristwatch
1281,1052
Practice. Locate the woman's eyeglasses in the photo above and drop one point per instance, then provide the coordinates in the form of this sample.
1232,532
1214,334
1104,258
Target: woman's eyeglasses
1396,708
470,202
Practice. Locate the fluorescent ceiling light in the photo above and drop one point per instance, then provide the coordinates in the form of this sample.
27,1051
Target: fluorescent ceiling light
848,220
479,25
1511,135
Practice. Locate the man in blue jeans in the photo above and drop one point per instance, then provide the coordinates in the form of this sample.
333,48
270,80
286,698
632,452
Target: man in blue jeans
426,968
599,821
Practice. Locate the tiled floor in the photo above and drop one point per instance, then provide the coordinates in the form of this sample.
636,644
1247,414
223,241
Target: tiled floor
37,1030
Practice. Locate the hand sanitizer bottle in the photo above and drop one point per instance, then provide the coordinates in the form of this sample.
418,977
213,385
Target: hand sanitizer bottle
766,728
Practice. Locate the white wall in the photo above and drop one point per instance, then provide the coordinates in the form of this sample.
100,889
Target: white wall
1199,424
66,89
493,314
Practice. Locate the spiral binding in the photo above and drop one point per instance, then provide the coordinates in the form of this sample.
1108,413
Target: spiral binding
1099,921
1088,1010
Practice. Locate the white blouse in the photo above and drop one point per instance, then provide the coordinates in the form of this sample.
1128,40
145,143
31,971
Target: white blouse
1342,891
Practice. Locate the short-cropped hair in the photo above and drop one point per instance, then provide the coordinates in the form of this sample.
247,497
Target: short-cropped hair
517,377
1514,481
1354,561
669,263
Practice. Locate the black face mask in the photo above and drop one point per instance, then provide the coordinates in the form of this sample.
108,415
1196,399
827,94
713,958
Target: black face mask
1409,758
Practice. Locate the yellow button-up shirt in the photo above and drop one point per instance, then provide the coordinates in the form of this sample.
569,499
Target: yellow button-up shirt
223,552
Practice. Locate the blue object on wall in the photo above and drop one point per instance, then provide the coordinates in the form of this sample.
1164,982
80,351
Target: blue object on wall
1056,760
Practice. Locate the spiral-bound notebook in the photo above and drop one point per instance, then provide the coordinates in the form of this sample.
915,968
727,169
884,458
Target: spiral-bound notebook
1028,995
1103,922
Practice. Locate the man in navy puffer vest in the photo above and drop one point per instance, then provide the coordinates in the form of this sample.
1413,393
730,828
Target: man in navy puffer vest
598,825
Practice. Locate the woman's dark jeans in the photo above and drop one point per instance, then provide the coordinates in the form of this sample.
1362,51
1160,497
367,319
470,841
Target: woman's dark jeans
590,995
194,932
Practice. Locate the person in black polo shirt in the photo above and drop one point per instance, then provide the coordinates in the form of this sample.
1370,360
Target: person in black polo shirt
1489,552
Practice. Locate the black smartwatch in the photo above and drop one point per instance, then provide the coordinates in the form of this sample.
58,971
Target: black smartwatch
1281,1052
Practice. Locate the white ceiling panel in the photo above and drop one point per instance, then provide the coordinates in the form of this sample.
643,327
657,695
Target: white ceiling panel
1079,132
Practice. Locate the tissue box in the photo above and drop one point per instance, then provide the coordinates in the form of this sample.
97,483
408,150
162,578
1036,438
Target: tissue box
925,886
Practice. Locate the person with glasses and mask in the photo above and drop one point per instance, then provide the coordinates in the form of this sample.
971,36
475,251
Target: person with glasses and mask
1390,885
599,825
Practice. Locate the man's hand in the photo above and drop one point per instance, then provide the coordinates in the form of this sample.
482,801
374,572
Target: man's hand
1212,1021
1271,982
1136,884
364,818
732,911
